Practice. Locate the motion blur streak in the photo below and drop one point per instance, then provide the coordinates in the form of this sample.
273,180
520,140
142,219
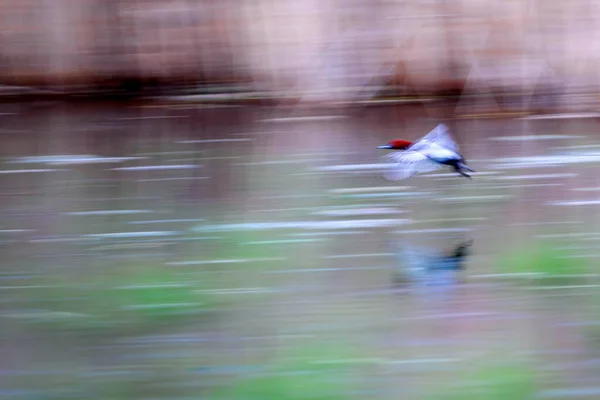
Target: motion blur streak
193,202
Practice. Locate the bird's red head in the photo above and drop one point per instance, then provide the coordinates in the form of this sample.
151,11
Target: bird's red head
397,144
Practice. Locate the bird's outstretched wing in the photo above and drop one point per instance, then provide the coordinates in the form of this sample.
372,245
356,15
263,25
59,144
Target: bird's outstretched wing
405,164
440,135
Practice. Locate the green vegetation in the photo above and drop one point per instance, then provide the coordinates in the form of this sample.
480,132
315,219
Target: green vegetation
147,293
315,372
494,381
309,372
247,245
121,297
544,261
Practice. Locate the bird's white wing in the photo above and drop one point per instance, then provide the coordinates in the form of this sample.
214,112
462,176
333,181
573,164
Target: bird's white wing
440,135
405,164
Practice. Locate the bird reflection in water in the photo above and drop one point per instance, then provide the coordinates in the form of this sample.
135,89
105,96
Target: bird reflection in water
422,265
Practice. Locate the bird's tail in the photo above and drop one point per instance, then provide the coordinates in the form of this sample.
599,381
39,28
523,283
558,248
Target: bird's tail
463,169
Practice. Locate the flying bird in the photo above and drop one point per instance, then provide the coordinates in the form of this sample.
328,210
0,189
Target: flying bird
432,152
